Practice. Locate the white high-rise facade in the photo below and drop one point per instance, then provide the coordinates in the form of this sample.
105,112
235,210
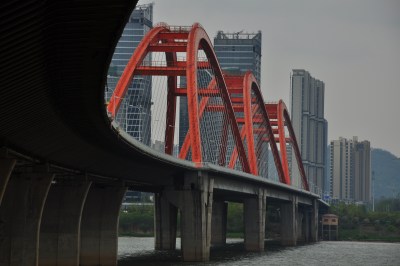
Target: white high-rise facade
310,127
350,171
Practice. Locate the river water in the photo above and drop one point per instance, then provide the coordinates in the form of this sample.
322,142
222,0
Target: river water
140,251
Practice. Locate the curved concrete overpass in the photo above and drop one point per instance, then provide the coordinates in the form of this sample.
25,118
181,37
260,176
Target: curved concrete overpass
54,61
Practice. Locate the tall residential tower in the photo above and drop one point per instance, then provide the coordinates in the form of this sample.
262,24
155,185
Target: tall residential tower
310,126
350,171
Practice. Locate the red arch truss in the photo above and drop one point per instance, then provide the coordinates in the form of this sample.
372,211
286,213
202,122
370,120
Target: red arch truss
280,118
188,40
246,123
255,124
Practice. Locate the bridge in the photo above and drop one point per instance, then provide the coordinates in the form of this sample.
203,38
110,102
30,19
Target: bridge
65,163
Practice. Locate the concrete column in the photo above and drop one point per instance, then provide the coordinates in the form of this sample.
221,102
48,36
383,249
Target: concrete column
20,218
314,221
306,225
99,225
196,199
60,229
300,224
6,168
219,223
165,223
254,222
289,223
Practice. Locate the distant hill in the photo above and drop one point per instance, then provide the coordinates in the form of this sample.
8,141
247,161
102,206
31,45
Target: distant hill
386,168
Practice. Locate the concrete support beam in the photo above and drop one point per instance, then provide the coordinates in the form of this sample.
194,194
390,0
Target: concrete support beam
196,200
165,223
254,222
219,223
314,221
60,229
289,223
20,216
6,168
99,225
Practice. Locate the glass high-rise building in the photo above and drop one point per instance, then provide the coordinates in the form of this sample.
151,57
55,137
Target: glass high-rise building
239,52
134,115
310,127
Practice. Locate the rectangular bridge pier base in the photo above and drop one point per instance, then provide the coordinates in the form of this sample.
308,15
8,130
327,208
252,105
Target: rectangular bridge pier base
314,221
289,216
194,198
254,222
219,223
196,201
165,223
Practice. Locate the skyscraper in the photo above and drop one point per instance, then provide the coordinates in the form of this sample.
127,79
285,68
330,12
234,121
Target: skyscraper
310,126
134,115
239,52
350,170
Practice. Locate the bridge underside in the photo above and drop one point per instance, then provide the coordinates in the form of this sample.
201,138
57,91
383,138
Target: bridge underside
54,61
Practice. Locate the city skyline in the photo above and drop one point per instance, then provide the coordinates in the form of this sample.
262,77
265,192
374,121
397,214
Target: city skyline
353,48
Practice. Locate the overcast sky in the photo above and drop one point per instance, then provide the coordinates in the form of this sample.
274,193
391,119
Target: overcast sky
351,45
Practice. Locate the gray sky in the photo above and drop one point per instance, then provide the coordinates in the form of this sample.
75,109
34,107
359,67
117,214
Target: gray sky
351,45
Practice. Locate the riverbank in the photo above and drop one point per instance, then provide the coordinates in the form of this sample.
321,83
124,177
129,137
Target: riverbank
355,223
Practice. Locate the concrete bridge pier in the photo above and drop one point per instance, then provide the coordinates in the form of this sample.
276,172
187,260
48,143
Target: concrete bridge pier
219,223
254,221
99,225
300,223
314,221
306,225
60,228
20,217
196,200
165,223
289,216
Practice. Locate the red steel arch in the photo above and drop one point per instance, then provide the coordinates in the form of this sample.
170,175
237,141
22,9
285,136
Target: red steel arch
272,117
252,105
280,115
172,40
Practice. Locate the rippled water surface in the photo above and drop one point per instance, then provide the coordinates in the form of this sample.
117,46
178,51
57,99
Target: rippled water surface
140,251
